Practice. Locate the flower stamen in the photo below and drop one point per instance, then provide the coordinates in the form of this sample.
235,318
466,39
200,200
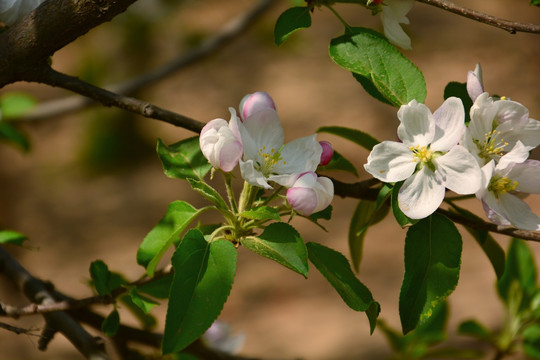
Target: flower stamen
492,146
501,185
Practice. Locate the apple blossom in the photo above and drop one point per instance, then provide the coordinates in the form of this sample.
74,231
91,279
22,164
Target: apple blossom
252,103
266,158
221,143
502,181
310,194
394,13
496,126
428,158
327,153
12,11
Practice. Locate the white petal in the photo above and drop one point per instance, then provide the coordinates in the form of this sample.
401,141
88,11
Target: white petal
262,130
492,209
300,155
517,155
255,102
482,114
252,176
417,125
390,161
508,110
519,213
393,13
475,84
324,188
527,174
450,124
528,134
421,194
302,200
459,171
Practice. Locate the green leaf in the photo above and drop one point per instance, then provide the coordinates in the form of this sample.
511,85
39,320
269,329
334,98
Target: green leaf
432,331
282,243
358,137
534,3
459,90
262,213
101,276
432,263
111,323
339,162
394,78
370,88
12,237
203,277
475,329
147,321
520,269
16,104
492,249
402,219
143,302
336,269
209,193
178,216
158,287
10,133
367,213
290,21
531,341
184,159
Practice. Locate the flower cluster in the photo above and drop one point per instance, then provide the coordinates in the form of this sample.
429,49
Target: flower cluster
255,141
487,158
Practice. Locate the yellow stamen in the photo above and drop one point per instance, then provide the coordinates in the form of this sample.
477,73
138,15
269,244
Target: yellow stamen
501,185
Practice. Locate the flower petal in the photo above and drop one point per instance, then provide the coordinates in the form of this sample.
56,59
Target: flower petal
300,155
459,171
475,85
518,212
393,13
390,161
421,194
255,102
508,110
527,174
482,114
262,130
252,176
450,124
302,200
417,126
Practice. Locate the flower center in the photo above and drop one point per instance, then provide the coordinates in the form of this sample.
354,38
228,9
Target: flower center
268,160
501,185
492,145
421,154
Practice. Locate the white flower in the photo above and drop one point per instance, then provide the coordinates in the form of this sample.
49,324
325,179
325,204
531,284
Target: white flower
428,158
266,158
512,174
496,126
394,13
12,11
475,85
221,143
310,194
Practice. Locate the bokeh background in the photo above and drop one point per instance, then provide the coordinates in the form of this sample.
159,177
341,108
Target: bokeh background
92,187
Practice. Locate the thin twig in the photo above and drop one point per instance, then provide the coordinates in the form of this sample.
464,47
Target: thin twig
18,330
511,26
36,291
230,31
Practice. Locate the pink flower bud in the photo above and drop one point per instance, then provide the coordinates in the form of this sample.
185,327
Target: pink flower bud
327,153
310,194
221,144
255,102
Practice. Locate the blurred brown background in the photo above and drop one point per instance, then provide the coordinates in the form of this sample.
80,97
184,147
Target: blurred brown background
92,186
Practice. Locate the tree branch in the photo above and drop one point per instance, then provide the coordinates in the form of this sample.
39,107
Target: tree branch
27,45
511,26
229,32
92,348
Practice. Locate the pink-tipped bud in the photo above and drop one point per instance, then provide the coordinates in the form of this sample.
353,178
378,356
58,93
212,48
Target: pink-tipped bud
327,153
310,194
255,102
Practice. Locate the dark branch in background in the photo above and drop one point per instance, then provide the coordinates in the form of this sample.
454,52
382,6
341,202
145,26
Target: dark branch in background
511,26
230,31
37,292
48,76
27,45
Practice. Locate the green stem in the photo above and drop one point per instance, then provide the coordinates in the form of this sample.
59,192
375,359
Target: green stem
347,26
230,192
247,197
272,196
220,229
